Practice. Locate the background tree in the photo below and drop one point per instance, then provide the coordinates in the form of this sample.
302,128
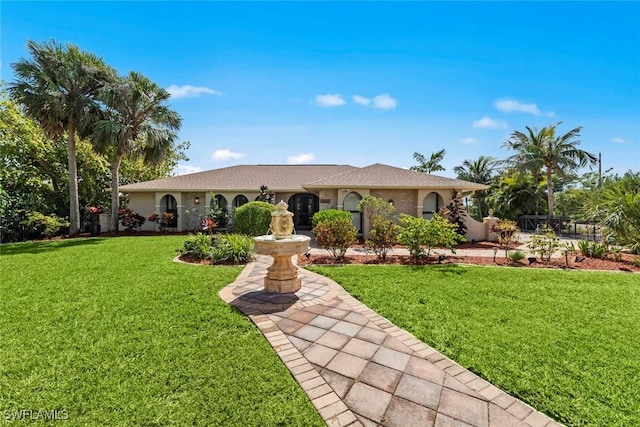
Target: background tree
429,165
480,171
513,195
137,123
58,89
558,155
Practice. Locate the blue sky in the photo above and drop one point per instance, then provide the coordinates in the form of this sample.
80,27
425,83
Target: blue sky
359,83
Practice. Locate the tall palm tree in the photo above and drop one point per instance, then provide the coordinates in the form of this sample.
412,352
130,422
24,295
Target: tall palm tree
137,123
558,155
58,89
480,171
430,165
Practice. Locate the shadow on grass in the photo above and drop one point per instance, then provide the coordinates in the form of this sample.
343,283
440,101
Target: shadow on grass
46,245
441,268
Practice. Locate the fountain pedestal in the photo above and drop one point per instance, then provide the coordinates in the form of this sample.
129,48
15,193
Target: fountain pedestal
282,277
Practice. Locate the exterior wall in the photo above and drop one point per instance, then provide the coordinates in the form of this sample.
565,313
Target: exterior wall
403,200
144,204
476,230
328,199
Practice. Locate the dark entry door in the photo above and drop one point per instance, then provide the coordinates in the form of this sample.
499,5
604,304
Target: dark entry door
304,207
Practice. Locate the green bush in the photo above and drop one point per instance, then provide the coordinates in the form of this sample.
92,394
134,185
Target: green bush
330,215
545,243
593,249
336,235
198,245
516,256
434,233
253,218
384,235
40,225
237,248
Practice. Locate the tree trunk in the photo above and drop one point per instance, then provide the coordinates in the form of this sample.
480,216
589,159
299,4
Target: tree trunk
115,193
550,192
74,204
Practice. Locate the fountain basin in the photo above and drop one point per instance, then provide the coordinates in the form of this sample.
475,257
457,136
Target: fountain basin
282,277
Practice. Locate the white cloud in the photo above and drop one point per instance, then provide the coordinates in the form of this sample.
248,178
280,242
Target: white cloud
469,140
329,100
507,105
226,154
188,91
488,123
301,158
186,169
618,140
384,102
361,100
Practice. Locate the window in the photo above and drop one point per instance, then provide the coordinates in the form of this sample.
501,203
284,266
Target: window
431,204
240,200
351,204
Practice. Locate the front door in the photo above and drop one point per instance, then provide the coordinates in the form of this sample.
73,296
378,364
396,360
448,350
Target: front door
304,207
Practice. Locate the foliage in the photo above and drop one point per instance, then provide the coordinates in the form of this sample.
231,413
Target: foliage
436,232
593,249
544,243
237,248
516,256
376,207
454,212
266,195
384,235
558,155
131,329
197,245
565,342
39,225
433,164
58,88
617,208
481,172
335,235
506,230
253,218
514,195
329,215
130,219
218,213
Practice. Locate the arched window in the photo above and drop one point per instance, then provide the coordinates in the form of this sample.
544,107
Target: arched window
218,207
351,204
169,205
218,202
431,204
240,200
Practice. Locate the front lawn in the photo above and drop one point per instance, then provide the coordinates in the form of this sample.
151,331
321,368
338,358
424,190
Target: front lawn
113,332
567,343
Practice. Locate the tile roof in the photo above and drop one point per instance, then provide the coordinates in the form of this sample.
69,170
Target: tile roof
243,178
378,175
301,177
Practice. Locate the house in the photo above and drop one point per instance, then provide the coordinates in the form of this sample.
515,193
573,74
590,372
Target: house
306,188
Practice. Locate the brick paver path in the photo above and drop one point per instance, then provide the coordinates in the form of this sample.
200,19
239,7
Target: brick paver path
359,369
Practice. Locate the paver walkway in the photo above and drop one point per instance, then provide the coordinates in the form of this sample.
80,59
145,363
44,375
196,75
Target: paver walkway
359,369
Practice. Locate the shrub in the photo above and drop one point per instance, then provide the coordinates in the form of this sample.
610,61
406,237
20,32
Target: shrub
545,243
253,218
384,235
237,248
454,212
130,219
198,245
432,233
336,235
593,249
516,256
39,224
329,215
373,207
506,230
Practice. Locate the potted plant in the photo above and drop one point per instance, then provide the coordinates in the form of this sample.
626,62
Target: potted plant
93,220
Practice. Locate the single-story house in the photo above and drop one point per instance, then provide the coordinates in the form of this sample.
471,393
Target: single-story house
306,188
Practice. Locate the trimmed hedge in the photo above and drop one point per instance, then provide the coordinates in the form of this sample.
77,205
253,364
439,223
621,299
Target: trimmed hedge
330,215
253,218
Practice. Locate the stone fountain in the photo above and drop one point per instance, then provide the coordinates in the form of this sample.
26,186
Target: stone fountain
282,277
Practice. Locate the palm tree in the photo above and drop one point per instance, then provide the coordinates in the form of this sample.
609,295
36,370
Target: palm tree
431,165
480,171
137,123
558,155
58,89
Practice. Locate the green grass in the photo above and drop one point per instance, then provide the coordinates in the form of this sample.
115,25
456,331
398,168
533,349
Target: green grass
568,343
115,333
